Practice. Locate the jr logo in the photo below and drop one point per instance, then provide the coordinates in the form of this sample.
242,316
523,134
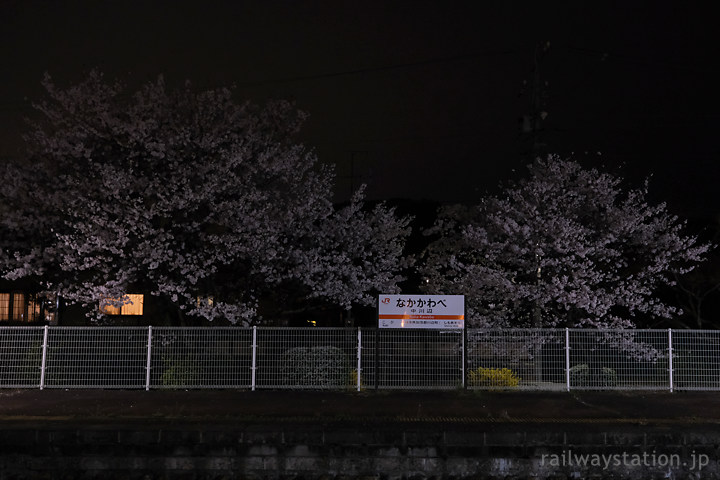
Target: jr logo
385,300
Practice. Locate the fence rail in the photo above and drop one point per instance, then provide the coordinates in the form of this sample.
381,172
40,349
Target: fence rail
364,358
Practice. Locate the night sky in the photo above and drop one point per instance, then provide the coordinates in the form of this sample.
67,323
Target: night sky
417,99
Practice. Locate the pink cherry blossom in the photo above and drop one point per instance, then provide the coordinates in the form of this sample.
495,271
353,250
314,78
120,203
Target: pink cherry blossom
185,195
566,246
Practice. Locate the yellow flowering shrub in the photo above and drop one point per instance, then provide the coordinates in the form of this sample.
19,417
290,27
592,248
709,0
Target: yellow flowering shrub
492,377
354,379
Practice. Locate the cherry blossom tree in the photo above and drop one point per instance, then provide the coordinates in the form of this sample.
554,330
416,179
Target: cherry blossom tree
566,246
202,202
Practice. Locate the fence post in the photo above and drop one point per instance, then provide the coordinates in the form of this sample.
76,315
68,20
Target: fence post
567,359
43,364
253,367
463,340
377,357
359,359
149,359
670,359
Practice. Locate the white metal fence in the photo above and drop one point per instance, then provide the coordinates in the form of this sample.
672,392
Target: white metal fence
343,358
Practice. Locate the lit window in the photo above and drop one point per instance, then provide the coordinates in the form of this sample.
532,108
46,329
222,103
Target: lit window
4,306
109,308
18,310
21,307
132,307
209,301
34,310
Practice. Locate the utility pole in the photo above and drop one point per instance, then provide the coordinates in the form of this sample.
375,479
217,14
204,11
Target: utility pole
532,128
536,90
356,157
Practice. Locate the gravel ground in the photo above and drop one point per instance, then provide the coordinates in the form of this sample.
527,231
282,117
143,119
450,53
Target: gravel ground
128,406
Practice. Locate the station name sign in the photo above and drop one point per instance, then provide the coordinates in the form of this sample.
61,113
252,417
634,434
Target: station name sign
421,311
